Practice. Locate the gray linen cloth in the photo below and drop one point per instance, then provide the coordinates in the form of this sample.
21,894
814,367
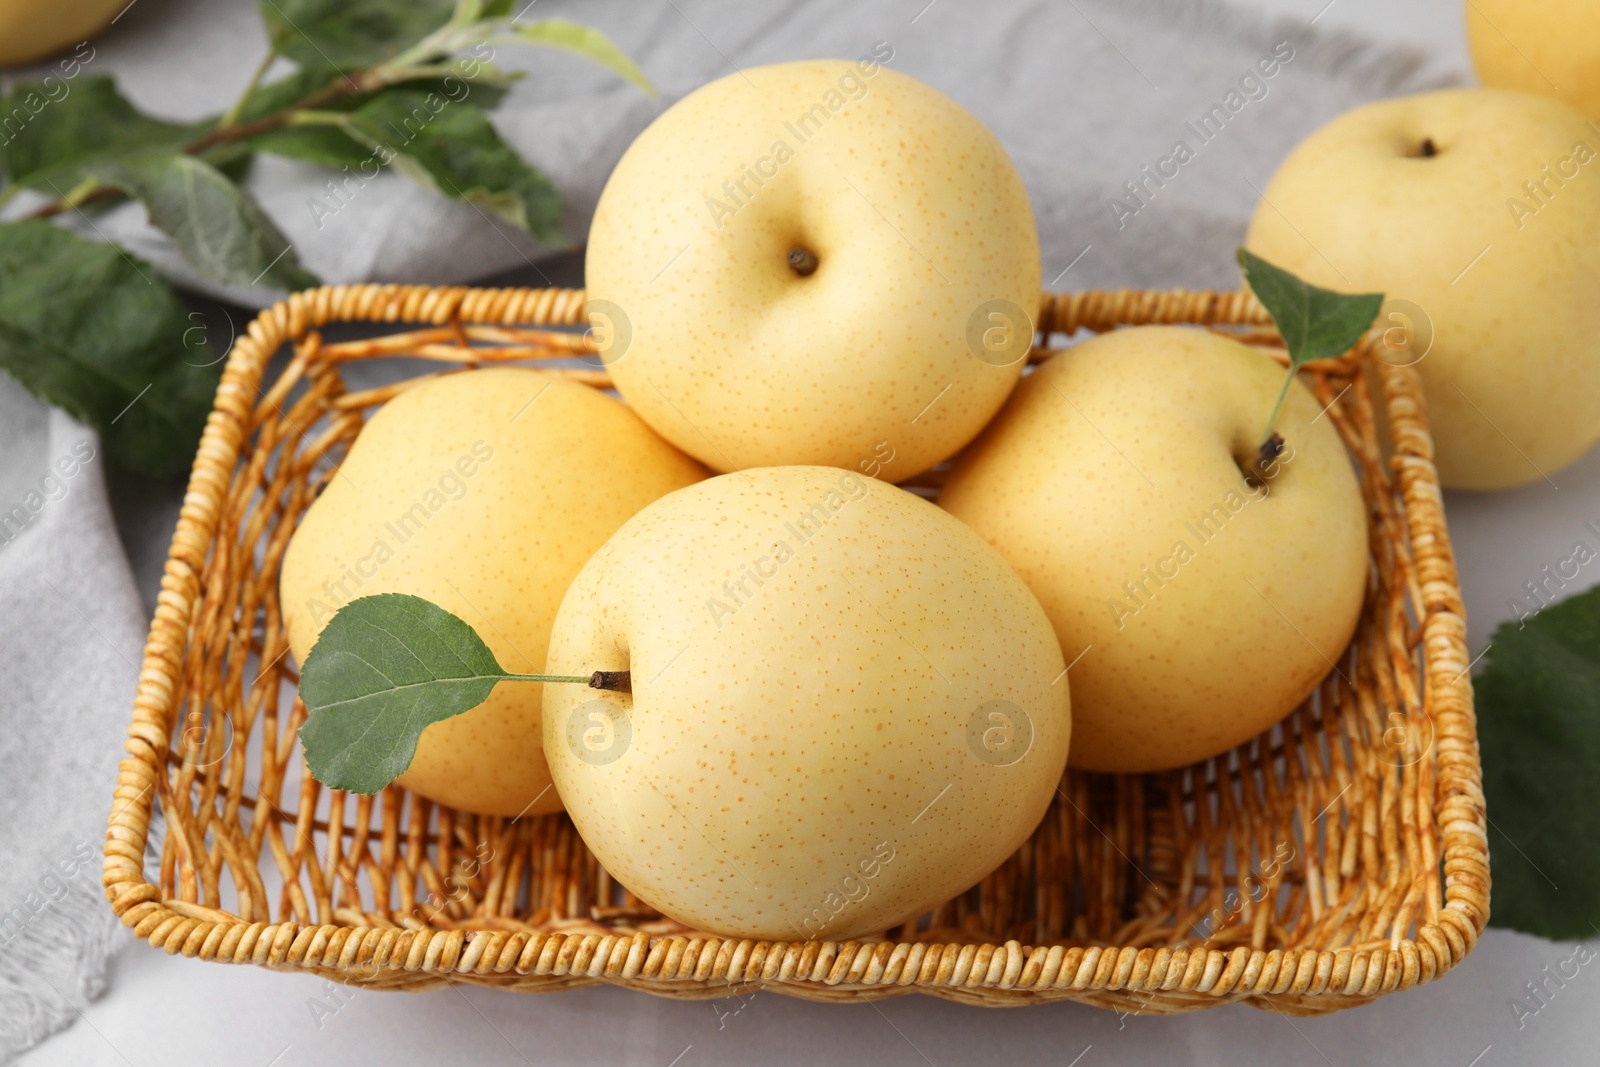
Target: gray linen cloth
71,631
1092,99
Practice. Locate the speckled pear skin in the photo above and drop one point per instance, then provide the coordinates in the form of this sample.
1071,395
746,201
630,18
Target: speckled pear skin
917,218
804,765
1552,48
1487,252
556,467
1103,462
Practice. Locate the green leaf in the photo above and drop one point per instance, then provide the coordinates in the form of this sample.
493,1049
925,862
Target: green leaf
1315,323
97,333
1538,702
485,85
453,148
232,159
475,24
583,41
221,232
384,669
469,12
349,34
329,146
90,121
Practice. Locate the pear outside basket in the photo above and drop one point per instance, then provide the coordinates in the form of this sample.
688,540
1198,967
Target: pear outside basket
1338,857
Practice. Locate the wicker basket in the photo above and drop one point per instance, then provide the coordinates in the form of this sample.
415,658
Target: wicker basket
1338,857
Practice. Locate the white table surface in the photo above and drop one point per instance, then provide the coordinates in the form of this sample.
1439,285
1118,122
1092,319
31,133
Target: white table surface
171,1011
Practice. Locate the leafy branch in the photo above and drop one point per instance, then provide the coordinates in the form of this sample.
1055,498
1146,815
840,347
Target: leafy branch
429,60
375,83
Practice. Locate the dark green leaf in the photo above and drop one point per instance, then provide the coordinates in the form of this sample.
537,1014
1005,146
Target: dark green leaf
453,147
329,146
100,335
385,668
87,120
1315,323
221,232
332,146
232,159
485,89
1538,702
349,34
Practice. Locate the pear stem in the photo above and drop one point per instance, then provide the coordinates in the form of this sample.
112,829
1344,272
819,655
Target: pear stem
615,681
1256,476
803,261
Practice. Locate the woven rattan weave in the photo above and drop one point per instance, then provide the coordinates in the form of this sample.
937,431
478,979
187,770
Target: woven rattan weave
1339,857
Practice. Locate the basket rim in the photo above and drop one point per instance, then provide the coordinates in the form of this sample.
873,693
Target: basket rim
1306,979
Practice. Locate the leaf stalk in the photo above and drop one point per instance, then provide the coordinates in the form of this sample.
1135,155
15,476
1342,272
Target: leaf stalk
1272,419
231,116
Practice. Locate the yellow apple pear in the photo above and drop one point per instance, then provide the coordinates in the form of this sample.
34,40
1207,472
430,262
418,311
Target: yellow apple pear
815,262
1539,46
845,707
1477,212
1196,609
31,30
485,493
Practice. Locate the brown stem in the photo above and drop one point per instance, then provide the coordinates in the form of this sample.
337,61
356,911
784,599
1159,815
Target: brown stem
56,207
1256,476
615,681
222,135
803,261
245,130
